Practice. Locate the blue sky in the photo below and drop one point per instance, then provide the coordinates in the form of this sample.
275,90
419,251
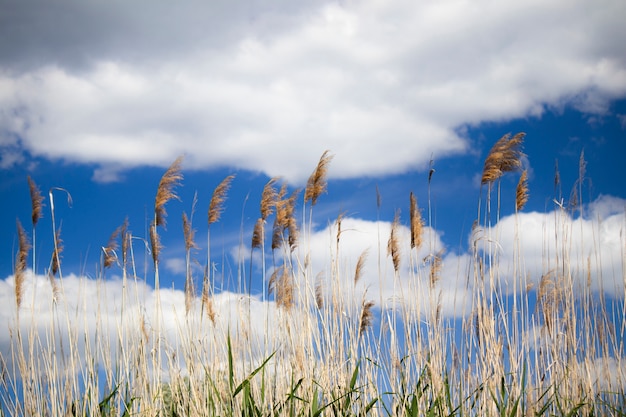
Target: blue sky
101,98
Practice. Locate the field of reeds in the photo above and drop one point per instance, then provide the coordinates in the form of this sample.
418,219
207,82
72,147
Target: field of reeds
314,343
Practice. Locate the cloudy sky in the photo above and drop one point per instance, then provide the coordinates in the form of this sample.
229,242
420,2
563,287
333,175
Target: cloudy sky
98,98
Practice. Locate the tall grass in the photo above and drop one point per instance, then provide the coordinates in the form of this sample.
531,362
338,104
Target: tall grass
315,343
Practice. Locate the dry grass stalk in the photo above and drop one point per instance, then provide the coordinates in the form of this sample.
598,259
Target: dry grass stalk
358,271
190,293
109,251
20,263
393,249
165,191
216,206
36,200
366,317
417,223
316,185
504,156
189,234
582,166
521,192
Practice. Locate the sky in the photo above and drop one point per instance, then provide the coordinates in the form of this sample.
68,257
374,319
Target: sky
98,98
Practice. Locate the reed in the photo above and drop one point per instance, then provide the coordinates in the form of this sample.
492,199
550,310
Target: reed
166,191
521,191
317,184
314,344
393,245
417,223
20,263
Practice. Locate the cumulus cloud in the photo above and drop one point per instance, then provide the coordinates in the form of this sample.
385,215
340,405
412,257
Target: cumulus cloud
590,248
268,88
525,247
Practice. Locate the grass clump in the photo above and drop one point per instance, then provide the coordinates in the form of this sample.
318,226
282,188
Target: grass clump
313,343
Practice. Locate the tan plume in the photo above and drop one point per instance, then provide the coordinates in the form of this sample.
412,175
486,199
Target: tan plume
36,200
504,156
316,185
20,263
393,249
166,192
417,223
216,206
521,192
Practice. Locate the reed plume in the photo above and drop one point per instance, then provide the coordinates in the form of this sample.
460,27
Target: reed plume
109,252
36,200
504,156
55,264
281,282
435,267
20,263
207,302
165,191
393,242
216,206
319,292
366,317
189,233
155,242
268,199
417,223
124,236
316,185
285,220
280,221
521,192
358,271
257,234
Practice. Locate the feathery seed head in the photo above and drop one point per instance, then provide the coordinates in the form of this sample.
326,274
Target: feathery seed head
36,200
358,272
393,242
216,206
165,191
417,223
20,263
521,192
366,317
316,185
111,247
504,156
268,198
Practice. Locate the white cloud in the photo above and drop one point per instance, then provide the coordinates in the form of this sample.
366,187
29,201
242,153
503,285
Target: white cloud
590,249
95,313
270,91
